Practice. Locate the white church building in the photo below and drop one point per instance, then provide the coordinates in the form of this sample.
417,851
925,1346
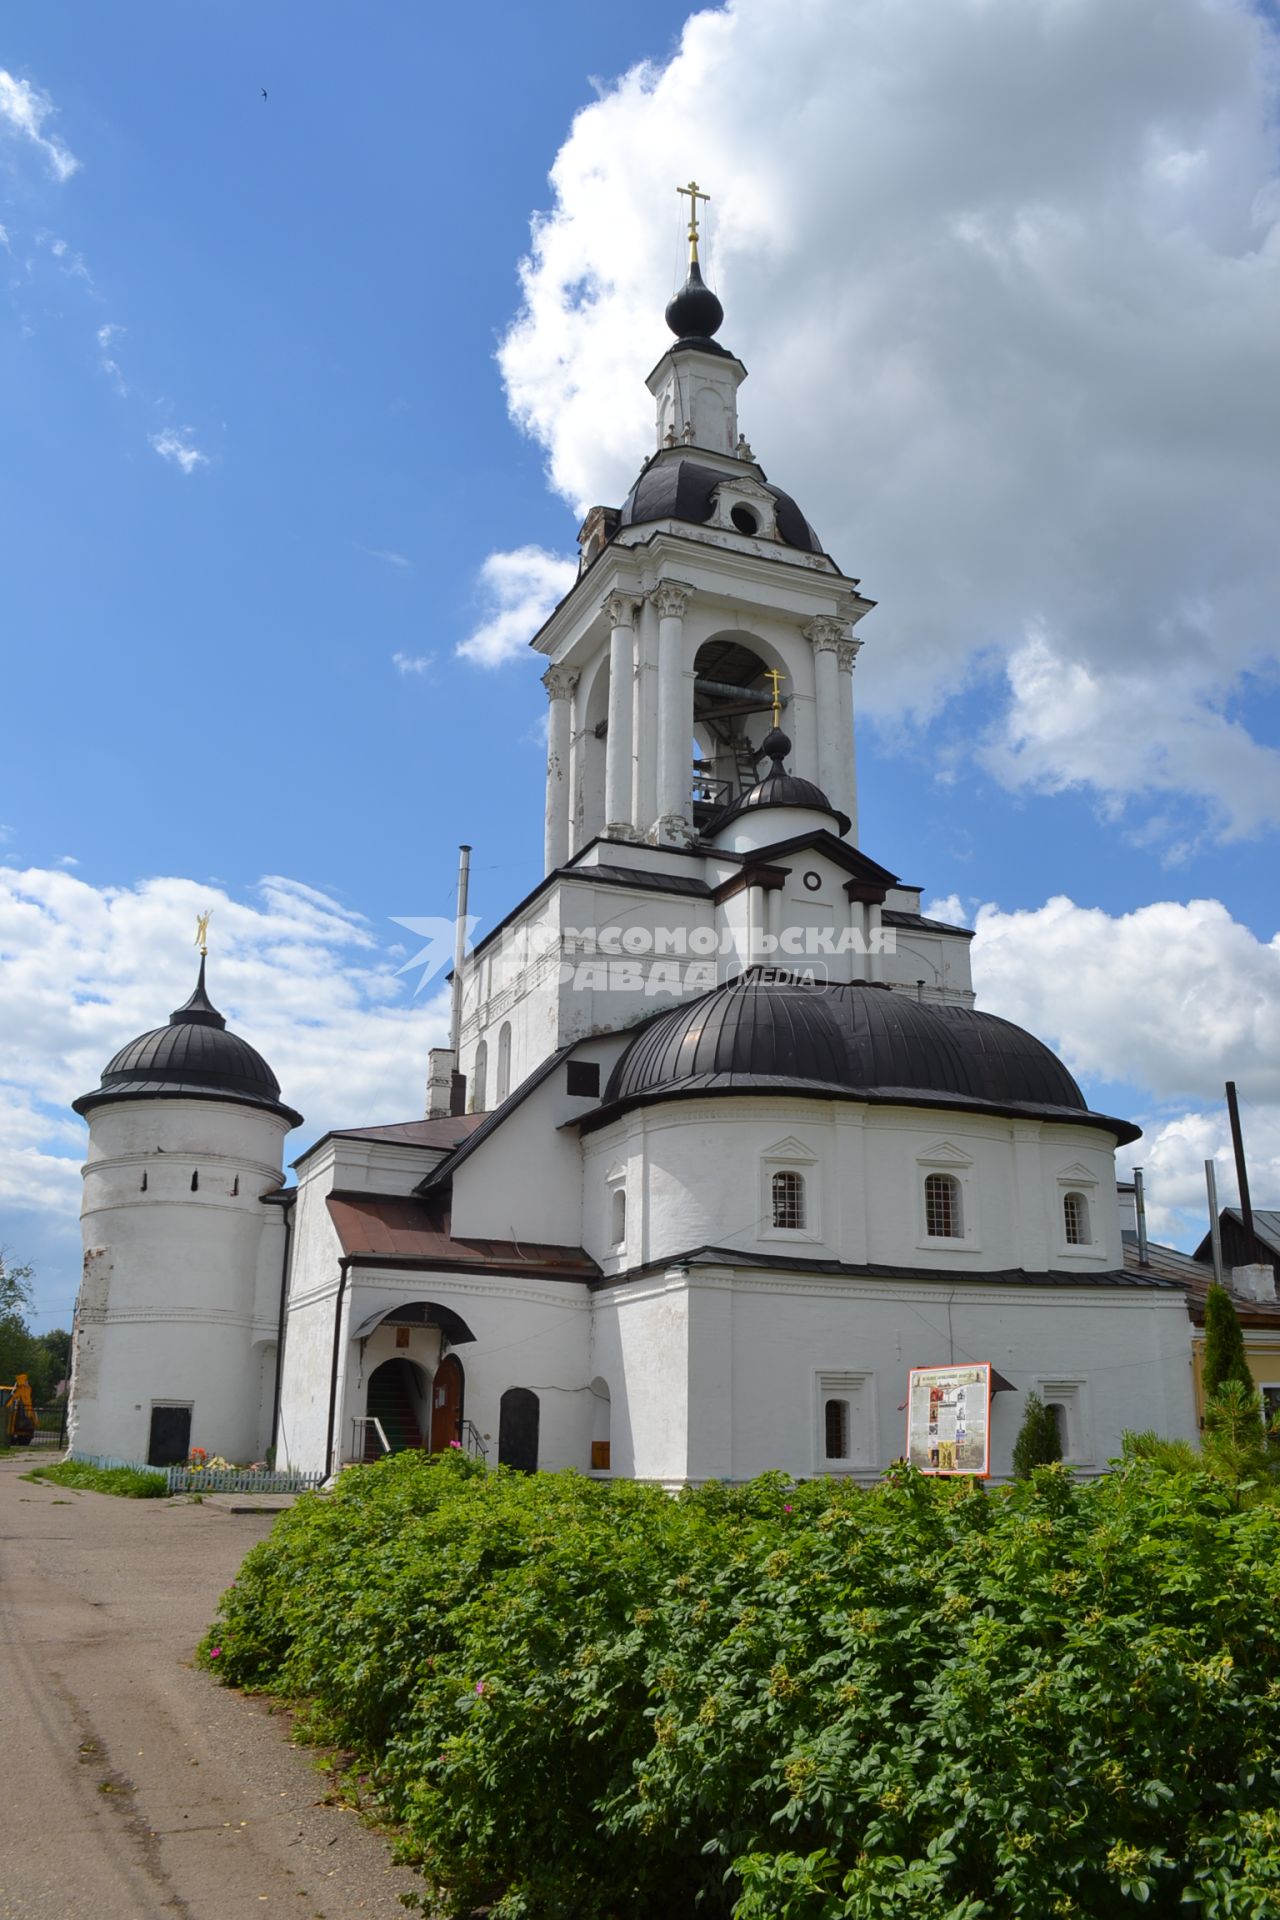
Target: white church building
726,1148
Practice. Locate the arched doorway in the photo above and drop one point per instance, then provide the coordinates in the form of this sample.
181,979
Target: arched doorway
446,1404
518,1421
394,1399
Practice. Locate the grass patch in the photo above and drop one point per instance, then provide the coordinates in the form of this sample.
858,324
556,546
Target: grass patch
129,1482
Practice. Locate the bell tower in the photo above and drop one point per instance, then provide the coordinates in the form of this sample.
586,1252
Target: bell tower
701,596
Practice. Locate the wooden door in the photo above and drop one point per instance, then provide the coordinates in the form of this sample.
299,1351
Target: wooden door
518,1420
446,1403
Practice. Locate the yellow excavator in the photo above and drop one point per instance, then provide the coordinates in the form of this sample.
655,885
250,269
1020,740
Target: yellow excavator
17,1413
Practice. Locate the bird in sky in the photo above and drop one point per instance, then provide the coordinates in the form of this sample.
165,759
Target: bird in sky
264,93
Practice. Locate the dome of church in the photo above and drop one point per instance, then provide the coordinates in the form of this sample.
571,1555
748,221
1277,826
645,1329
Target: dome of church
676,487
778,788
695,313
761,1033
193,1057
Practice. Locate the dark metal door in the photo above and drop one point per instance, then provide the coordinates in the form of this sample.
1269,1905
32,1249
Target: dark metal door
170,1441
518,1413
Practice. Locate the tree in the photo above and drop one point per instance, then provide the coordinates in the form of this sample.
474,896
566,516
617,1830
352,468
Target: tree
1223,1344
1039,1443
15,1286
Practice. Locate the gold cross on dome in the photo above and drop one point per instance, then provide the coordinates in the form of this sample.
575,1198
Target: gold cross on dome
202,930
775,679
695,194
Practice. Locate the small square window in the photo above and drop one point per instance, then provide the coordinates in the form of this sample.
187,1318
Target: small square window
582,1078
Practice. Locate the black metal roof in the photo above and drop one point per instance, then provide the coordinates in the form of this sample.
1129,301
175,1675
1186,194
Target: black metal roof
194,1057
680,488
766,1032
754,1257
777,788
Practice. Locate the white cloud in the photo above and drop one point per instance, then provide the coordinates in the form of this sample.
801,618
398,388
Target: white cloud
24,110
107,337
407,664
518,590
304,979
176,444
1017,358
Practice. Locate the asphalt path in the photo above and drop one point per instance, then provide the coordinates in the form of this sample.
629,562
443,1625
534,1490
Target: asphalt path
132,1786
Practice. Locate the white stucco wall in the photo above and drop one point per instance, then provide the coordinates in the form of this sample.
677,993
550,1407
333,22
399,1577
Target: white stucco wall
180,1289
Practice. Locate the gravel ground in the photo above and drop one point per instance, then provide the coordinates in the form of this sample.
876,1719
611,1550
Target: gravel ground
134,1787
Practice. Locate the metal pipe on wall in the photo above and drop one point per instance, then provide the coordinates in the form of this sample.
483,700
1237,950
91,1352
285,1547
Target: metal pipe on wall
1215,1229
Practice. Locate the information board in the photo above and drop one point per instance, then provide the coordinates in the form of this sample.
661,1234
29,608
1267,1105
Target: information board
949,1419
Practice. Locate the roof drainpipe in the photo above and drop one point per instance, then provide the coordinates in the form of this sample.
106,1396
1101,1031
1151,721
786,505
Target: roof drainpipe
1215,1225
1140,1205
1242,1175
343,1266
458,1094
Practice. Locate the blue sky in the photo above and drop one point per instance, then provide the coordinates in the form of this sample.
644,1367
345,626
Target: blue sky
268,407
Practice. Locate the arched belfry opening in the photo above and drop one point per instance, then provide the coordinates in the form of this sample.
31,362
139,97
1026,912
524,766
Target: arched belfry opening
732,713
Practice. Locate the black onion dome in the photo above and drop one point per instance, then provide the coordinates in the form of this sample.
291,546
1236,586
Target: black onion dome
778,788
679,488
695,314
765,1034
194,1057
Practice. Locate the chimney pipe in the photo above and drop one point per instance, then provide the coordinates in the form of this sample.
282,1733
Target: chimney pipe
1242,1175
1215,1229
1140,1203
458,1099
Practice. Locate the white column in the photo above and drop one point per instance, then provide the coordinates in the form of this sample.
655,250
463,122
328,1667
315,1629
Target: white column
619,744
846,654
826,635
675,716
875,926
559,683
644,808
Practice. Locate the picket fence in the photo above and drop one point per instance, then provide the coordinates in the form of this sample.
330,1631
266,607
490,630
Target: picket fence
217,1480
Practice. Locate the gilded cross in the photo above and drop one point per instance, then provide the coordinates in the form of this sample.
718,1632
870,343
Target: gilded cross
695,194
775,679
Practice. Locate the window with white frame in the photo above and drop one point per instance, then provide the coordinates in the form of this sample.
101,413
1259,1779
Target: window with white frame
504,1062
618,1216
790,1191
845,1441
787,1192
1075,1219
943,1207
479,1075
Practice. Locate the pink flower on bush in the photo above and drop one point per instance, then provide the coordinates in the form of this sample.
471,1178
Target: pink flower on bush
456,1443
215,1652
479,1686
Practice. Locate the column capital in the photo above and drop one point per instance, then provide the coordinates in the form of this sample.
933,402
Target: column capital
847,652
827,634
620,606
560,682
671,597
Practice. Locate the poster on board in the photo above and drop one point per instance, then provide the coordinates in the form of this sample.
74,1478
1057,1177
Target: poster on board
949,1419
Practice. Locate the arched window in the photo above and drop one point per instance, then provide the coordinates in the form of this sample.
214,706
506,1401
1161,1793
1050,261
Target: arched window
618,1216
1075,1219
788,1198
195,1183
835,1420
504,1061
479,1074
942,1215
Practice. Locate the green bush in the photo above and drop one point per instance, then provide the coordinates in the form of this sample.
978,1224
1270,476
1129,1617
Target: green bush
1038,1443
130,1482
920,1702
1224,1357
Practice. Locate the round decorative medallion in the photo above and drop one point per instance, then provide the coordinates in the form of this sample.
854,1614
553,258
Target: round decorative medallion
813,881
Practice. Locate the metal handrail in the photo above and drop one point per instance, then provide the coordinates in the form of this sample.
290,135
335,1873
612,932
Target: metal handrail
472,1439
359,1424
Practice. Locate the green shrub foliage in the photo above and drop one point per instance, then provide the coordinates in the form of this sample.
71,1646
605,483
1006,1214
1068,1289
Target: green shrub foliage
130,1482
1038,1443
1223,1344
919,1702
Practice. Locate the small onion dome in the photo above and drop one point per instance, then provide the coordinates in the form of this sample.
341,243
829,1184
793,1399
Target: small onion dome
765,1033
193,1058
694,314
778,788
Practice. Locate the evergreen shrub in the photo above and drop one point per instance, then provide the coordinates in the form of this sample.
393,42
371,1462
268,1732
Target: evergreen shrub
919,1702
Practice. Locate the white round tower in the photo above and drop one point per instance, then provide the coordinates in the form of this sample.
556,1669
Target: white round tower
176,1323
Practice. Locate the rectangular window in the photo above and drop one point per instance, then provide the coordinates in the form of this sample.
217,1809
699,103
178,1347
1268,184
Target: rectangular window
836,1422
845,1439
942,1207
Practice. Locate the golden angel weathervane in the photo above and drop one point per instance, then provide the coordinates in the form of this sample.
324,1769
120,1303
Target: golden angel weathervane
202,931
